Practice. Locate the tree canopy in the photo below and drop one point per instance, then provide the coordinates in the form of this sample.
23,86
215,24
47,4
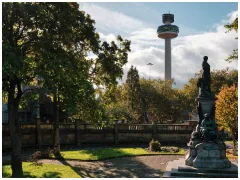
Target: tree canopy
230,27
227,109
219,78
47,44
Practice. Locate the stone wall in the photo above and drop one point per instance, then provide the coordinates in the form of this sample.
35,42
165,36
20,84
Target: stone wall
77,134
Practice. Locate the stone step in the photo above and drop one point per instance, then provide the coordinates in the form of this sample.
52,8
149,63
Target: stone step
205,170
207,175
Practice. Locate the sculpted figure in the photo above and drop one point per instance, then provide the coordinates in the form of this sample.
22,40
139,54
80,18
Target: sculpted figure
206,71
208,129
205,81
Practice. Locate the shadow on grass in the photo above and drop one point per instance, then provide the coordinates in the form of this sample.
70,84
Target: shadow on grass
64,162
127,167
52,175
25,175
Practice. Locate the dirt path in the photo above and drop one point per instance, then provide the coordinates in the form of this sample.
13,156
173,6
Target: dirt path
128,167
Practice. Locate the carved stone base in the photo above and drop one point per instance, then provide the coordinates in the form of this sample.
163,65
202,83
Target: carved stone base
208,155
206,104
192,154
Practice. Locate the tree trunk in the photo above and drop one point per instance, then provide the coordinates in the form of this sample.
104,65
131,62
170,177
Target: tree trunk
234,145
56,127
15,133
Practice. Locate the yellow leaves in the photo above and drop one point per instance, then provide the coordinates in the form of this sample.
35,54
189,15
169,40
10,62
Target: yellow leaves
34,82
227,107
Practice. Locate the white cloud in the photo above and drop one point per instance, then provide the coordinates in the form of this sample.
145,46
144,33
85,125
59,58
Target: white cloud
108,38
187,50
107,20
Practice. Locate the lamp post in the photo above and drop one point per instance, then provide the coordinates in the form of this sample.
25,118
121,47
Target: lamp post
149,64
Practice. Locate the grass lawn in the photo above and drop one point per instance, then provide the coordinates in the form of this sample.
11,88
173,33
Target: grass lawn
44,171
104,153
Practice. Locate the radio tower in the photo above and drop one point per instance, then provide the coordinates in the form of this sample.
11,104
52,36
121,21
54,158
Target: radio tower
167,32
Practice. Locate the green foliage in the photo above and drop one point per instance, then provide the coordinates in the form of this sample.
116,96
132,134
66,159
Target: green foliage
230,27
50,41
155,99
121,111
135,98
219,78
162,101
133,87
154,145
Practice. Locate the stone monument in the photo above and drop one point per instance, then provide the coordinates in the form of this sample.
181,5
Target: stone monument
206,147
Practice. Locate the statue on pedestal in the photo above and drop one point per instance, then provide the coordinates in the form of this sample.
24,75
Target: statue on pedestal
206,148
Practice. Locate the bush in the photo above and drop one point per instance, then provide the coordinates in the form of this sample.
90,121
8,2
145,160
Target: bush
41,154
154,145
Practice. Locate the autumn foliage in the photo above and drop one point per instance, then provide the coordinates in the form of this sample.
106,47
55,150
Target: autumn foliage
227,109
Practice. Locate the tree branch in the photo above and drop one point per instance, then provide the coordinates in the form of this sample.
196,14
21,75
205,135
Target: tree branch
30,89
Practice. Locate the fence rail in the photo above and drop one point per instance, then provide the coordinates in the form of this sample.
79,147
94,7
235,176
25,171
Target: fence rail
38,134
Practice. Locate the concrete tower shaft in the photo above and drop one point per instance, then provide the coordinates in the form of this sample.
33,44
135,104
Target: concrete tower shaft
168,59
168,32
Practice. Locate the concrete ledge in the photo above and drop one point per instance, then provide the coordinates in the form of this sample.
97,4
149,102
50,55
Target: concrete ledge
178,168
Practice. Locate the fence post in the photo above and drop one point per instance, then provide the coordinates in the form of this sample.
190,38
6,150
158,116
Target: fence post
77,135
39,134
116,133
154,130
38,124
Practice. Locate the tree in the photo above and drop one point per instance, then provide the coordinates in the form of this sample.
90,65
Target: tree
219,78
135,97
161,101
121,111
227,111
133,87
230,27
165,103
50,41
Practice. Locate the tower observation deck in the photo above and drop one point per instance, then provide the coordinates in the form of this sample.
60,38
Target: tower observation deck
167,32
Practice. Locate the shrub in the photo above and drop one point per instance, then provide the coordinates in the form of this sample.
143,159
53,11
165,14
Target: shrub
34,158
154,145
41,154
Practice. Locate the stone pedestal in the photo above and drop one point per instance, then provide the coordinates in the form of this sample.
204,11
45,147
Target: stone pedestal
206,154
210,155
178,169
207,104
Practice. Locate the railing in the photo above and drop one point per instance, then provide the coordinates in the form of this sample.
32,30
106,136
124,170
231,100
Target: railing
99,127
76,133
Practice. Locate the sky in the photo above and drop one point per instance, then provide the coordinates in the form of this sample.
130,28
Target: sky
201,33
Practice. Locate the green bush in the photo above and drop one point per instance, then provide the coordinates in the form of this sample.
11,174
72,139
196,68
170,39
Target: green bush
154,145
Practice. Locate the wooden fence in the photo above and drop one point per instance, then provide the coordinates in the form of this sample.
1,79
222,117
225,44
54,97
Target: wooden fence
40,134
